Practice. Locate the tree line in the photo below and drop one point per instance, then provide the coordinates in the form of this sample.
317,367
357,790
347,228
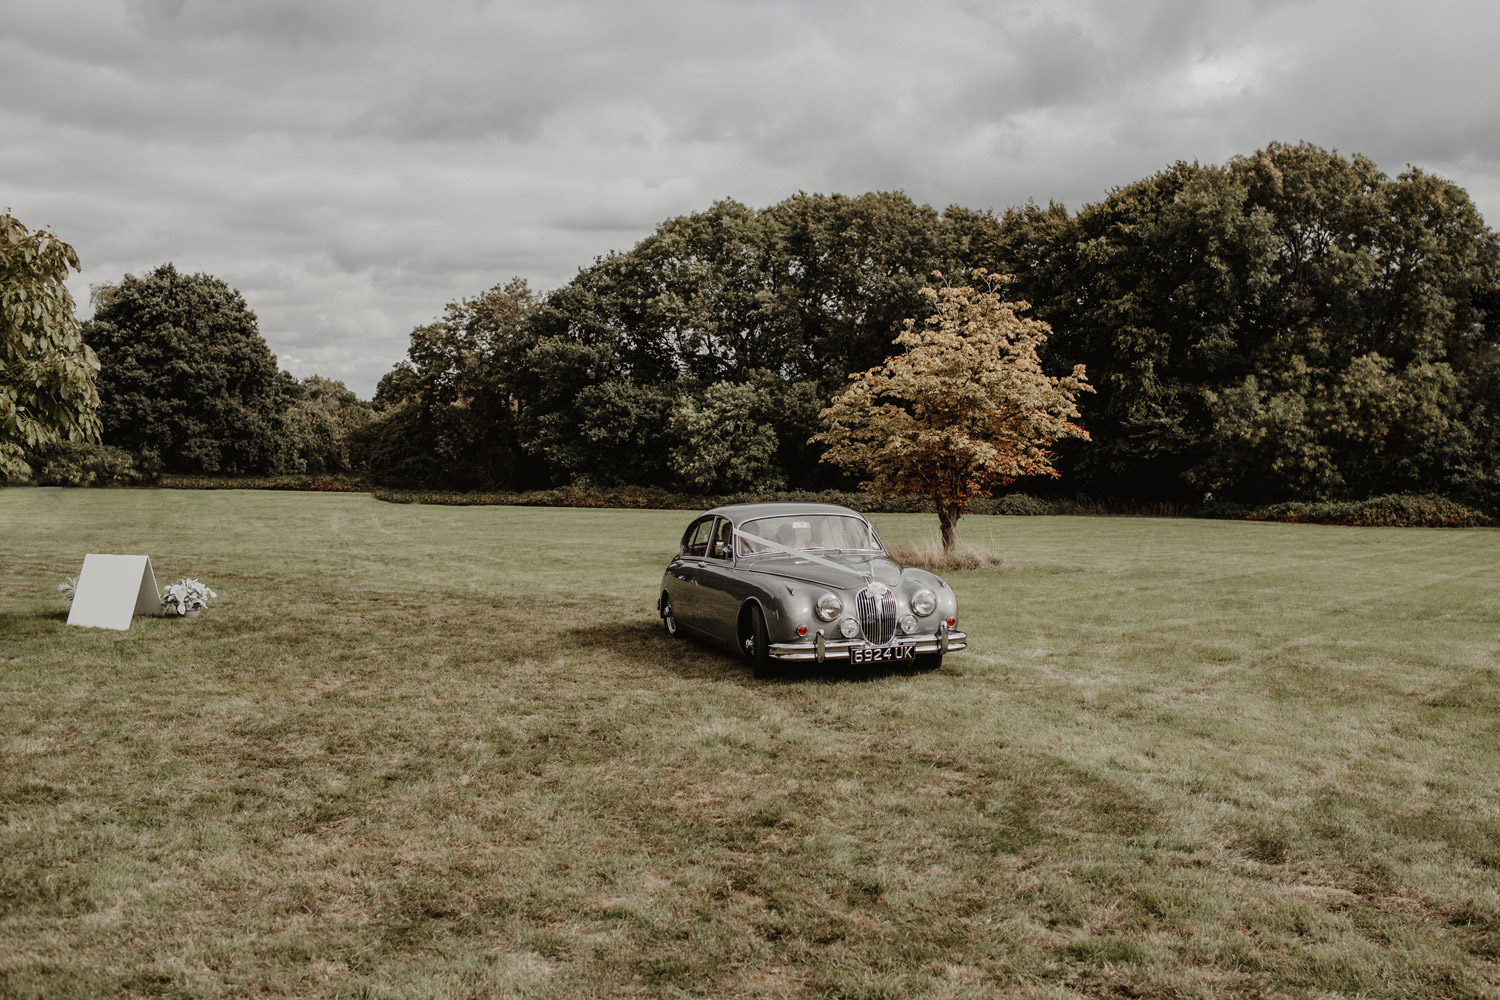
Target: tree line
1292,324
699,358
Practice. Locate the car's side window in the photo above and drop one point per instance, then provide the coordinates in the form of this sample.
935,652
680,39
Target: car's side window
696,541
723,540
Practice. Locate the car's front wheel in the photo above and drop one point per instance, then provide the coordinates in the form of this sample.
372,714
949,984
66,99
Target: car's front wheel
757,643
668,618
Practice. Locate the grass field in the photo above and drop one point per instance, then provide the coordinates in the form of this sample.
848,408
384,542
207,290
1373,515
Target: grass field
446,752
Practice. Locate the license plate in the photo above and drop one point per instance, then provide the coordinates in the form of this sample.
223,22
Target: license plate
882,654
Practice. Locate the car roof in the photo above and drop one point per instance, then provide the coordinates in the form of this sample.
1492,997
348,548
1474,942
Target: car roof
742,512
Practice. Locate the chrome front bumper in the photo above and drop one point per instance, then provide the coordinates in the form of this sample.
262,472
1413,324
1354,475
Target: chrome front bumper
818,648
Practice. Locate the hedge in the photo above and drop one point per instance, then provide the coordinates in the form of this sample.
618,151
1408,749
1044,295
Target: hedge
1390,511
94,465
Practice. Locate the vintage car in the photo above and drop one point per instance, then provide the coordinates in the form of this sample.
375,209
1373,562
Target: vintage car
805,583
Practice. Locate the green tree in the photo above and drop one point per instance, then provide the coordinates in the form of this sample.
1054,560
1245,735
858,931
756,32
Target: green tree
47,371
789,298
185,374
585,422
790,410
1150,290
1362,430
623,434
1214,304
322,422
687,301
808,289
447,414
1476,476
966,407
724,440
847,271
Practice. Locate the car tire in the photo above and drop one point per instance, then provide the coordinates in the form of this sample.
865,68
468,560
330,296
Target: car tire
757,644
668,619
931,661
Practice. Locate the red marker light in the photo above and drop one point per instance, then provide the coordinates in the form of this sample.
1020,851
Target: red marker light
801,629
952,622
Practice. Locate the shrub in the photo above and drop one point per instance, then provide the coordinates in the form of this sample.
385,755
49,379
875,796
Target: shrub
628,497
1391,511
70,463
1397,510
1015,505
303,483
658,498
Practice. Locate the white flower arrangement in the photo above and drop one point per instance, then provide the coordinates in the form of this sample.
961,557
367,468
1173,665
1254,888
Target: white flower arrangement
186,596
68,588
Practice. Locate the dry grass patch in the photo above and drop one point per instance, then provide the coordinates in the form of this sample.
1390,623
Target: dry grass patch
931,556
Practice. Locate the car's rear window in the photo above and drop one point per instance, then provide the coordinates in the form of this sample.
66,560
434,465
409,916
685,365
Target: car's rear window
806,531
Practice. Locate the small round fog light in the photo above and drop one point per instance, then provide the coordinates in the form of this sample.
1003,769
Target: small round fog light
908,624
848,628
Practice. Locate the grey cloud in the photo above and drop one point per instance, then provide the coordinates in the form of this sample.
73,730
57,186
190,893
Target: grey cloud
429,112
353,165
280,23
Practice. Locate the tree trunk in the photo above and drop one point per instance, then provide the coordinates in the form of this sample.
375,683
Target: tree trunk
948,514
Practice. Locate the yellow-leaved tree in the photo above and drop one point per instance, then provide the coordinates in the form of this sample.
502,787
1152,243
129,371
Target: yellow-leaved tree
965,408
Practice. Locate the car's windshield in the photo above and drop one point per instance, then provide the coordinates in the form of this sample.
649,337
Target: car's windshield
805,531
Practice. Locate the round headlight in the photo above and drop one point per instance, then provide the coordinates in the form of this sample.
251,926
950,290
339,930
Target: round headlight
829,606
848,628
908,624
923,602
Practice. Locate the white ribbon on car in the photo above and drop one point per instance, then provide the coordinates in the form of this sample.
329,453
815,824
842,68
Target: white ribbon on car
800,554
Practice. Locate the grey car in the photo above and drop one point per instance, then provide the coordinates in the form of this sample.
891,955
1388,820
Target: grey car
805,583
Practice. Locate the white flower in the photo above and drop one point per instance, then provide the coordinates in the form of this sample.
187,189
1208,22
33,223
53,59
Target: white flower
185,595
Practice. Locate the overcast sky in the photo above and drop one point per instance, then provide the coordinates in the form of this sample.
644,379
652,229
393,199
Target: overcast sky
353,165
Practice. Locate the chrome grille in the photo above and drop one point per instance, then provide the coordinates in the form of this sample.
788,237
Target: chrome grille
877,616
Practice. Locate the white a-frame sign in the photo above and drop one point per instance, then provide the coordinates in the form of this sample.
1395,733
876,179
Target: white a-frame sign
112,590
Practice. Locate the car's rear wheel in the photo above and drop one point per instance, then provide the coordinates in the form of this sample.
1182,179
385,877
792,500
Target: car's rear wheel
668,618
757,643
